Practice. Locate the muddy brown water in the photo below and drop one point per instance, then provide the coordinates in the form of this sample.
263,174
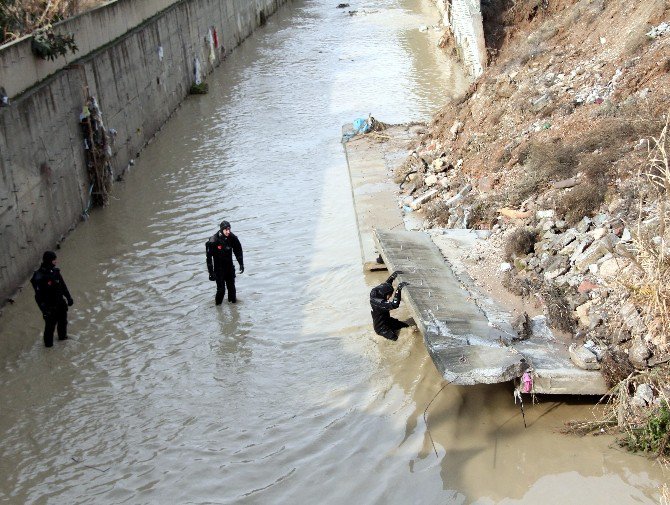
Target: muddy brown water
288,396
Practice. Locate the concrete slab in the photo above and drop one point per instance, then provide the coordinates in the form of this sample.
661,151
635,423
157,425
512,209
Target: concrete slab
372,190
467,334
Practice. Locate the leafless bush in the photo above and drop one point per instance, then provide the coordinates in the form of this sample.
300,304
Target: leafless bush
483,212
616,367
437,212
542,162
583,200
521,284
557,308
519,243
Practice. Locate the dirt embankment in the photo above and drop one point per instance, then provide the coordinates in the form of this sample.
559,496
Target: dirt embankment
559,148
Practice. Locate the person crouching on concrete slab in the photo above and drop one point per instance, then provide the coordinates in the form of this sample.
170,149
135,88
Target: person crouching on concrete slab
52,297
220,249
382,300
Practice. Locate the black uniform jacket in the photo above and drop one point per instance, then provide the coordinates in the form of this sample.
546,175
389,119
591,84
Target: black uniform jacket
381,319
220,250
51,292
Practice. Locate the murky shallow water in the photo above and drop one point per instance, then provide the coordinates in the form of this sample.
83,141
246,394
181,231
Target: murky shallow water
287,397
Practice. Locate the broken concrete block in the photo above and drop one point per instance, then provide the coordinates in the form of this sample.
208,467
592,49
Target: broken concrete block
558,266
596,251
632,319
583,313
610,268
638,353
545,214
430,180
458,196
423,199
583,358
584,225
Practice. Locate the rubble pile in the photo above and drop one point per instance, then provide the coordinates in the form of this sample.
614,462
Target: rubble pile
562,138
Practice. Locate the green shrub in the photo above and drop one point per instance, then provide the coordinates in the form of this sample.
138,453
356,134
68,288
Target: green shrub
652,435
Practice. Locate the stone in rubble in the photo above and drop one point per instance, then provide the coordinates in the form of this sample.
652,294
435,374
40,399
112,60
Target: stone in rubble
638,353
596,251
581,246
584,225
583,357
558,266
586,286
563,240
583,313
631,319
644,394
522,325
598,233
611,268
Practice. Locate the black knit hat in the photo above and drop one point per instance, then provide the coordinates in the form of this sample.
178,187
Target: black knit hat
224,225
48,257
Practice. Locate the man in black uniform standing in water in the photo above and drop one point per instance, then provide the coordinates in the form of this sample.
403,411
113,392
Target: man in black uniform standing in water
220,249
381,303
52,297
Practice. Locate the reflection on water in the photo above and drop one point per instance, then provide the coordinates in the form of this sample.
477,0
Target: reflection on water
288,396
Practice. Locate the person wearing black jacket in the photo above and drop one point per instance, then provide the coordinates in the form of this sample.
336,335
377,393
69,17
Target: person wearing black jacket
220,249
52,297
382,301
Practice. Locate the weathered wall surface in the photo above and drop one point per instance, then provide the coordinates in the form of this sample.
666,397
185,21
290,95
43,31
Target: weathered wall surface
139,80
464,17
19,69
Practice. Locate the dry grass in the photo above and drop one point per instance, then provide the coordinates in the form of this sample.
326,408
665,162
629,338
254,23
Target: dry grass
652,292
543,162
20,17
583,200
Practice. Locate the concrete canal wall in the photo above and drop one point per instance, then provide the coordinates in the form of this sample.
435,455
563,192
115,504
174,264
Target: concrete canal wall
464,18
139,74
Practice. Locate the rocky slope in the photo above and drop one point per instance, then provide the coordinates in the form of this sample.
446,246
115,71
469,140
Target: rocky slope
560,149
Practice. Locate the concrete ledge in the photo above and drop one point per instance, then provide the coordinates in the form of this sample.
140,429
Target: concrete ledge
469,338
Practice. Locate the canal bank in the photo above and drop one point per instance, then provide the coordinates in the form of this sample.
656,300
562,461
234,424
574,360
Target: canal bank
138,78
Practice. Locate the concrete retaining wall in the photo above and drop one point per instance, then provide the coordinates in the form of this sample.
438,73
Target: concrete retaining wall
464,17
139,80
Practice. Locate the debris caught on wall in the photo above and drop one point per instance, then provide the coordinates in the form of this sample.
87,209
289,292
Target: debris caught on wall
197,74
97,151
210,40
